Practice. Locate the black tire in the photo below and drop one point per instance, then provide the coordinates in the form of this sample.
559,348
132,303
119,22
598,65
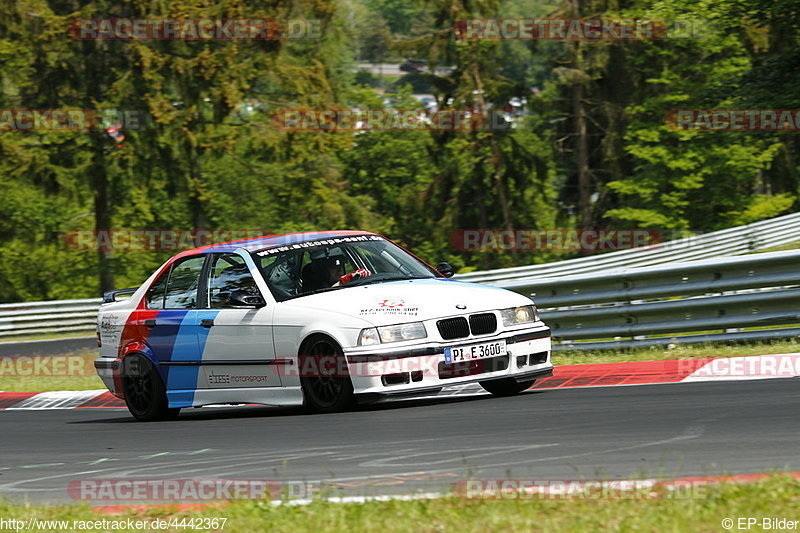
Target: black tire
506,386
324,378
144,391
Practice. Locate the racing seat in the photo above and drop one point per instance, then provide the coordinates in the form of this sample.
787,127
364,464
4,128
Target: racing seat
315,276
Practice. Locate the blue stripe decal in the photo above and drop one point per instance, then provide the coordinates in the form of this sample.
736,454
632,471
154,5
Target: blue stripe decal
180,398
190,341
184,378
162,337
202,333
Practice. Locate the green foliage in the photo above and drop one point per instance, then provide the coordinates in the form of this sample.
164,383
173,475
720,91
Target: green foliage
763,206
211,157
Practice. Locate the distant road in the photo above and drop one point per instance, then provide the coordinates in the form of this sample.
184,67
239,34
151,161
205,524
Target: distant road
393,69
48,347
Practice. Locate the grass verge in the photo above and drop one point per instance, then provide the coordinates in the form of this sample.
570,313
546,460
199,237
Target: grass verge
775,497
50,373
780,248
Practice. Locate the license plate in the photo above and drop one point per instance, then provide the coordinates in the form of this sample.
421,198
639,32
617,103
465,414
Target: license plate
474,351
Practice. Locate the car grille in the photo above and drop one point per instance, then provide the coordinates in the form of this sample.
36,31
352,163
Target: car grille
458,327
453,328
483,323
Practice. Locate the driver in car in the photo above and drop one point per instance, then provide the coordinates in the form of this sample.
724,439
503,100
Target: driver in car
329,271
336,275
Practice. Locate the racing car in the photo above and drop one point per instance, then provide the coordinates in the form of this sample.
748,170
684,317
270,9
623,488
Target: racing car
323,320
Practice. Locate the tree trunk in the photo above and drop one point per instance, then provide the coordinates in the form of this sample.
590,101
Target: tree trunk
582,149
102,211
497,157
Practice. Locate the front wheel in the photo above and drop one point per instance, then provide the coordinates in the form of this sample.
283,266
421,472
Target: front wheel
506,386
325,379
144,391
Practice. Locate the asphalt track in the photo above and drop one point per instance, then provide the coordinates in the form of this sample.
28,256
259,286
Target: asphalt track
48,346
419,445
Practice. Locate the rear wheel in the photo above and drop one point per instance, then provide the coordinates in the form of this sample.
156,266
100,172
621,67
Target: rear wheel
506,386
144,391
325,379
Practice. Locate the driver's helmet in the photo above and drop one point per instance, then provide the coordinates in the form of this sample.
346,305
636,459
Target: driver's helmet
332,263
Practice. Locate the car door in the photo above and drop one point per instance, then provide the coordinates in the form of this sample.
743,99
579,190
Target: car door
238,348
174,327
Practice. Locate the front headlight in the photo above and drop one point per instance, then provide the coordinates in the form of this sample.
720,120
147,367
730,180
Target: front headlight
398,333
519,315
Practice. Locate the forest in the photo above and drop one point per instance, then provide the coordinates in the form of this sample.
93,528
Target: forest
593,142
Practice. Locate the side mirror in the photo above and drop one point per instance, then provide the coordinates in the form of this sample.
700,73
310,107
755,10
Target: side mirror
446,269
247,300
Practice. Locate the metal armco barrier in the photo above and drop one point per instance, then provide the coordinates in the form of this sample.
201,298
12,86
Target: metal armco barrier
609,298
62,316
732,241
622,307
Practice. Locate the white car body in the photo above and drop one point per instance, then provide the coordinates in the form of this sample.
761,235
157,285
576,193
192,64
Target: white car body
253,355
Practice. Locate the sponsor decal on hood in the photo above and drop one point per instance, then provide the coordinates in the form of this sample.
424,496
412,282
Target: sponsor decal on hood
390,307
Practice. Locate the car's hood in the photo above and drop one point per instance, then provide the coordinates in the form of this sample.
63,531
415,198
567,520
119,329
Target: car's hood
411,300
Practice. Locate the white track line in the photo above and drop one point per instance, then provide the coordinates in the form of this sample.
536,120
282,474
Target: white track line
65,399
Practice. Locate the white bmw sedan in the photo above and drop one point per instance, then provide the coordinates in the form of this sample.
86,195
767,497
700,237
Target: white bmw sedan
321,319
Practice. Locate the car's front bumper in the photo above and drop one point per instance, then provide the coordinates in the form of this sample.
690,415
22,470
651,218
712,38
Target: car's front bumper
375,397
380,370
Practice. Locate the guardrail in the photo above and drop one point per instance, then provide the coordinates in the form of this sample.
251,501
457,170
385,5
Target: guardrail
617,294
61,316
731,241
637,306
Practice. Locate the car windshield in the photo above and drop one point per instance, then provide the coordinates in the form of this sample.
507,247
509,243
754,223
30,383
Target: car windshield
304,268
